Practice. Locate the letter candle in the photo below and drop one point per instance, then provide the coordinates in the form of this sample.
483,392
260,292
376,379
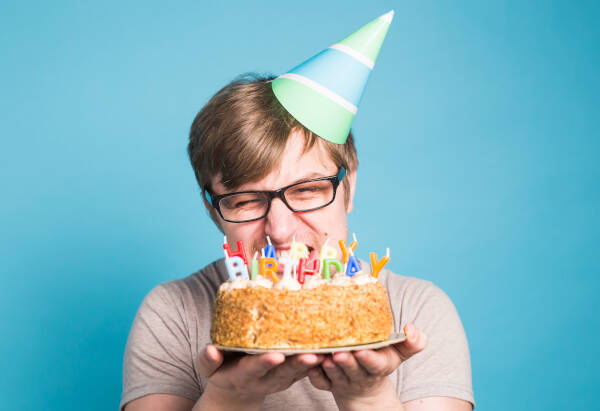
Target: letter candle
241,252
353,265
376,266
270,249
254,269
326,267
235,267
304,268
347,250
269,266
327,253
287,266
298,250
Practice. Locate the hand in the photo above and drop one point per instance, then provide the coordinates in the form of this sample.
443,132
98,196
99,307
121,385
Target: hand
360,377
250,378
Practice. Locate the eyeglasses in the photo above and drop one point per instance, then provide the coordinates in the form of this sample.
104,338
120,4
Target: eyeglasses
245,206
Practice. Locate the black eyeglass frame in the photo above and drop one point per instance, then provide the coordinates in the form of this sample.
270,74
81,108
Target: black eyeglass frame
214,200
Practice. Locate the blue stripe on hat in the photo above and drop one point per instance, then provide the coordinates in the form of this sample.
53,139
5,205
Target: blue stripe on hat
337,71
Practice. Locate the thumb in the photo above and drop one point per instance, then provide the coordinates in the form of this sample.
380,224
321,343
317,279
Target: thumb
210,360
415,342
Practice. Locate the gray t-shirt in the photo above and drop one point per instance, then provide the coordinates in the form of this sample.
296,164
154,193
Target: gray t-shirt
172,327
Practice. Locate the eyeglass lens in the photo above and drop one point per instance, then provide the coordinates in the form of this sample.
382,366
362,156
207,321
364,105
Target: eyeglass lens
300,197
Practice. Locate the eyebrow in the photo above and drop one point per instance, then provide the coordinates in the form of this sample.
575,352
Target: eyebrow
308,176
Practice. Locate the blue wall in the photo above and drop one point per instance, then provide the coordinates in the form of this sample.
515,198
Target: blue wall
479,168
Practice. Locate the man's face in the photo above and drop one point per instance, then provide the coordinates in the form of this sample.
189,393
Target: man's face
281,224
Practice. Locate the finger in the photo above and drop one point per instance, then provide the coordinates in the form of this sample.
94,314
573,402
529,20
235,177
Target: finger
210,360
333,372
309,360
256,366
415,342
378,362
295,367
350,366
318,379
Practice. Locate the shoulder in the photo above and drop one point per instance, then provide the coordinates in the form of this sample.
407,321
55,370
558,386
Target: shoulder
411,289
185,301
203,284
421,302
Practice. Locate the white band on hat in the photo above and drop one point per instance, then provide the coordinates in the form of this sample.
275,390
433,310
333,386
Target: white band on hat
323,90
355,54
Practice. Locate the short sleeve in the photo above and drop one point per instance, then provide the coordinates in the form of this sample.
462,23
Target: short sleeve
443,368
158,356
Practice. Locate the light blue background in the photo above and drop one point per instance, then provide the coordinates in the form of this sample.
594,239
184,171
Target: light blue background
478,141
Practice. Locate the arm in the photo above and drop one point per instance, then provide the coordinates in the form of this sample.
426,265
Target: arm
156,402
438,403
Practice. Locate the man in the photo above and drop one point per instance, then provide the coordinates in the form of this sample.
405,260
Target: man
169,362
262,135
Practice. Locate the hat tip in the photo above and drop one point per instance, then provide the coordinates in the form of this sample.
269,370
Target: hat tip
387,17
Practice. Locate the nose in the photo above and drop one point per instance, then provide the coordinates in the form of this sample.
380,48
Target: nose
280,222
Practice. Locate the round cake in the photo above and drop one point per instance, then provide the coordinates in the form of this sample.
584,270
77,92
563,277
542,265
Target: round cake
344,311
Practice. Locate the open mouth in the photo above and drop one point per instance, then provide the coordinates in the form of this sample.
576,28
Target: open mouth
286,254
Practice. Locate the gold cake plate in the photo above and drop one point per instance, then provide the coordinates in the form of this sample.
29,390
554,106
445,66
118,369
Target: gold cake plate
393,339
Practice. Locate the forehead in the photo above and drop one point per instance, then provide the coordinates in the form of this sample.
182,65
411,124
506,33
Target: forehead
295,164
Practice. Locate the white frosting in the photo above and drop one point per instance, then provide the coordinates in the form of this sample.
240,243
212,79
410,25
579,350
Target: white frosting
288,282
313,281
341,279
261,281
232,285
361,278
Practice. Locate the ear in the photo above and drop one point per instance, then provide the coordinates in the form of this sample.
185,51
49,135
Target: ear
351,176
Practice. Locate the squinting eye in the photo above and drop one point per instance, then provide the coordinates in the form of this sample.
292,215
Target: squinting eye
247,203
307,189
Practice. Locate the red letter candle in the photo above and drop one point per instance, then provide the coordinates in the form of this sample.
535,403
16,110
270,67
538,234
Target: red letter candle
239,253
307,267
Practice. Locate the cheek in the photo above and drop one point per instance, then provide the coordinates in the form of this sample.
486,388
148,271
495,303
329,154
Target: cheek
252,234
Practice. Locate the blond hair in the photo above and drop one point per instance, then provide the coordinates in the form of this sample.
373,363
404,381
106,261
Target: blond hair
242,131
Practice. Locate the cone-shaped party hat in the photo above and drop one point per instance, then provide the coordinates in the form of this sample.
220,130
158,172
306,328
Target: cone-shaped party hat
323,92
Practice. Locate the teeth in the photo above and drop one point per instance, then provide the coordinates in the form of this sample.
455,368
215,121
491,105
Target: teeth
282,254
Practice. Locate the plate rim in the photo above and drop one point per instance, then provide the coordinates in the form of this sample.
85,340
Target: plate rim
394,338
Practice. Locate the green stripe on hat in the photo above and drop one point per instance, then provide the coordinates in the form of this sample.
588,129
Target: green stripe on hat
368,39
313,110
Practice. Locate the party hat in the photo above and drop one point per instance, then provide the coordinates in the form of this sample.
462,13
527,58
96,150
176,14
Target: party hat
323,93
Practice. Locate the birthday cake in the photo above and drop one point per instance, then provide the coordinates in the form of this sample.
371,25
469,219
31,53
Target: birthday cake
311,309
